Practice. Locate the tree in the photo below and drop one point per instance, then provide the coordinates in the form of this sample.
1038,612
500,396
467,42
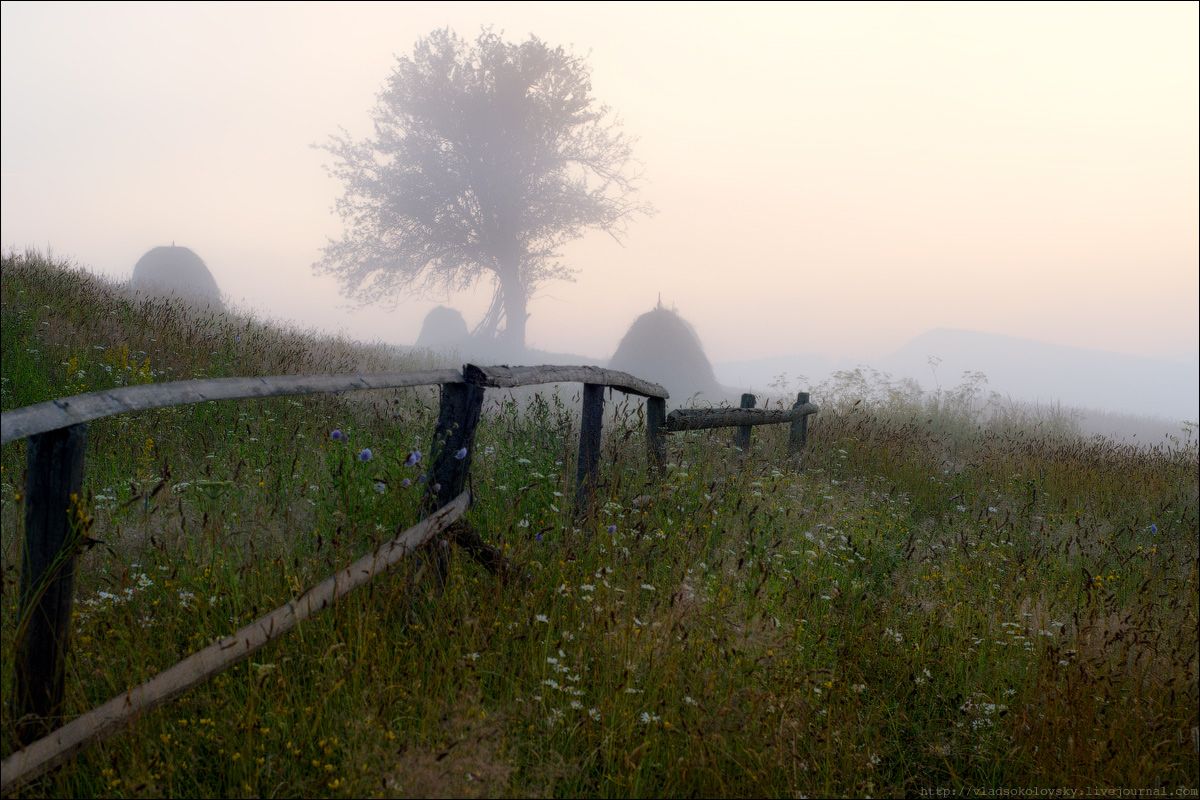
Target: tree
486,160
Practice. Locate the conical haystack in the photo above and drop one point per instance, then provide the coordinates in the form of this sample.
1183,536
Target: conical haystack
175,270
443,327
662,347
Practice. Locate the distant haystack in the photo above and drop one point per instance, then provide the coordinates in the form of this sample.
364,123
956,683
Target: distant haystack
175,270
663,347
443,327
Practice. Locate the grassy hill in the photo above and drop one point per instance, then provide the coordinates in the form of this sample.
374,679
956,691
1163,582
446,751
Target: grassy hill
919,602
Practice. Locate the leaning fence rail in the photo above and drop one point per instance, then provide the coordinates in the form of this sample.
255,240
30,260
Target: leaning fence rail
103,721
57,434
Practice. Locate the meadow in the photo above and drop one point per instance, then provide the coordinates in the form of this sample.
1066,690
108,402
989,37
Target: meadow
922,602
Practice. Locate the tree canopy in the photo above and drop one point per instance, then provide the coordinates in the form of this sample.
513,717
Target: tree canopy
487,158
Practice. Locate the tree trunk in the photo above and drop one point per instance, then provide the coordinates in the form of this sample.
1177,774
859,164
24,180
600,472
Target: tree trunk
515,314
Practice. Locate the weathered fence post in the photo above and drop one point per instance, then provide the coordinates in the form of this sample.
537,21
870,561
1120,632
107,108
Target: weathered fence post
656,432
53,484
741,439
453,442
589,444
453,448
799,433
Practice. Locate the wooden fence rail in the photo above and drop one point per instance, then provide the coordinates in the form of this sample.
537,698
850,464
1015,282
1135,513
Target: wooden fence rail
57,433
53,414
694,419
105,720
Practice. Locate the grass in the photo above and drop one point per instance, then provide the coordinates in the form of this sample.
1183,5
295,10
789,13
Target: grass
923,601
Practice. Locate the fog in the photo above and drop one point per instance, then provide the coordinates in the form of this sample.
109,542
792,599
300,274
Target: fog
830,179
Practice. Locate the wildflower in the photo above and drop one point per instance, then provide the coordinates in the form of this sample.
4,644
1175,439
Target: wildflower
338,436
647,718
648,587
594,713
461,454
380,486
1153,529
414,456
406,483
421,478
541,618
612,528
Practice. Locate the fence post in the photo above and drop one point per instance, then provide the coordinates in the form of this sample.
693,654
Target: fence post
458,417
589,444
656,433
799,433
453,449
54,480
741,439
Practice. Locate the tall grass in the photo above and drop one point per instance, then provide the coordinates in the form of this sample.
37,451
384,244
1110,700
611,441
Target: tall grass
919,602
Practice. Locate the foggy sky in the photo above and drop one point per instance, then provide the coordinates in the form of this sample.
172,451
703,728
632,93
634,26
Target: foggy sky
830,178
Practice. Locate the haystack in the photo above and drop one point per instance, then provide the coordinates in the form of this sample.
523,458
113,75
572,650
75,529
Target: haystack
443,327
663,347
178,271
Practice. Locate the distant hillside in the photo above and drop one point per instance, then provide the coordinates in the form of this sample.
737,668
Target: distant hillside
1023,369
1031,370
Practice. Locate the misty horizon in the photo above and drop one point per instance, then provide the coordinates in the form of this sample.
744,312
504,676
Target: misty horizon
843,180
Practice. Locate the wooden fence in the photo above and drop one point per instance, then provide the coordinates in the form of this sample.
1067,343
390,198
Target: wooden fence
57,434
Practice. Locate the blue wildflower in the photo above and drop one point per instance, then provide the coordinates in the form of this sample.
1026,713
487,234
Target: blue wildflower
337,436
365,455
461,454
413,458
612,528
538,537
406,483
1153,529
